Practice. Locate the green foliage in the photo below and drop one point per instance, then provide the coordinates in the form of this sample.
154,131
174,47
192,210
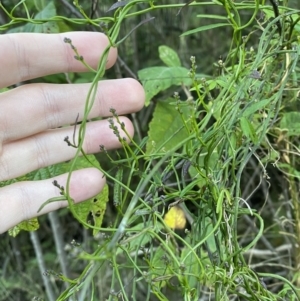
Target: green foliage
95,206
290,123
166,129
46,11
204,28
169,56
157,79
209,150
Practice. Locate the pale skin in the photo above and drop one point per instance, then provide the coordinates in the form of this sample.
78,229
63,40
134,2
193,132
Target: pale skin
33,118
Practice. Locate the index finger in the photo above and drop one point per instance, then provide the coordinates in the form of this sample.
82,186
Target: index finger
31,55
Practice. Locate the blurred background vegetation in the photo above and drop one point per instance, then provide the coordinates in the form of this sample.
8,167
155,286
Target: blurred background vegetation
20,277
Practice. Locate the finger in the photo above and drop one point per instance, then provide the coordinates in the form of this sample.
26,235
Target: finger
47,148
30,109
21,201
30,55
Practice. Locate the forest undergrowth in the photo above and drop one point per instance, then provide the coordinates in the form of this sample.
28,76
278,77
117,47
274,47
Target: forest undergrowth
203,203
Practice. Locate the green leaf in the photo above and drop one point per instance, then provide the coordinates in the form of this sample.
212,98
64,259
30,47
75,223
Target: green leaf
157,79
161,272
204,160
169,56
289,169
191,263
48,27
212,17
166,128
29,225
255,106
248,129
60,168
139,236
290,123
40,4
203,28
95,206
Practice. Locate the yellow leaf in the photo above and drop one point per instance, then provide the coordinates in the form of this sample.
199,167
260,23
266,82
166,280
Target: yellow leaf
28,225
175,218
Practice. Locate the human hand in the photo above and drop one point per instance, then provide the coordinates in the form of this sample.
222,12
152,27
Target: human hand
32,116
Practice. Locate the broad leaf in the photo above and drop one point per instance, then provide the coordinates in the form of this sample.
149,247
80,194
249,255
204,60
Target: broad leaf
47,12
138,237
40,4
290,123
160,271
169,56
29,225
95,206
157,79
166,128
